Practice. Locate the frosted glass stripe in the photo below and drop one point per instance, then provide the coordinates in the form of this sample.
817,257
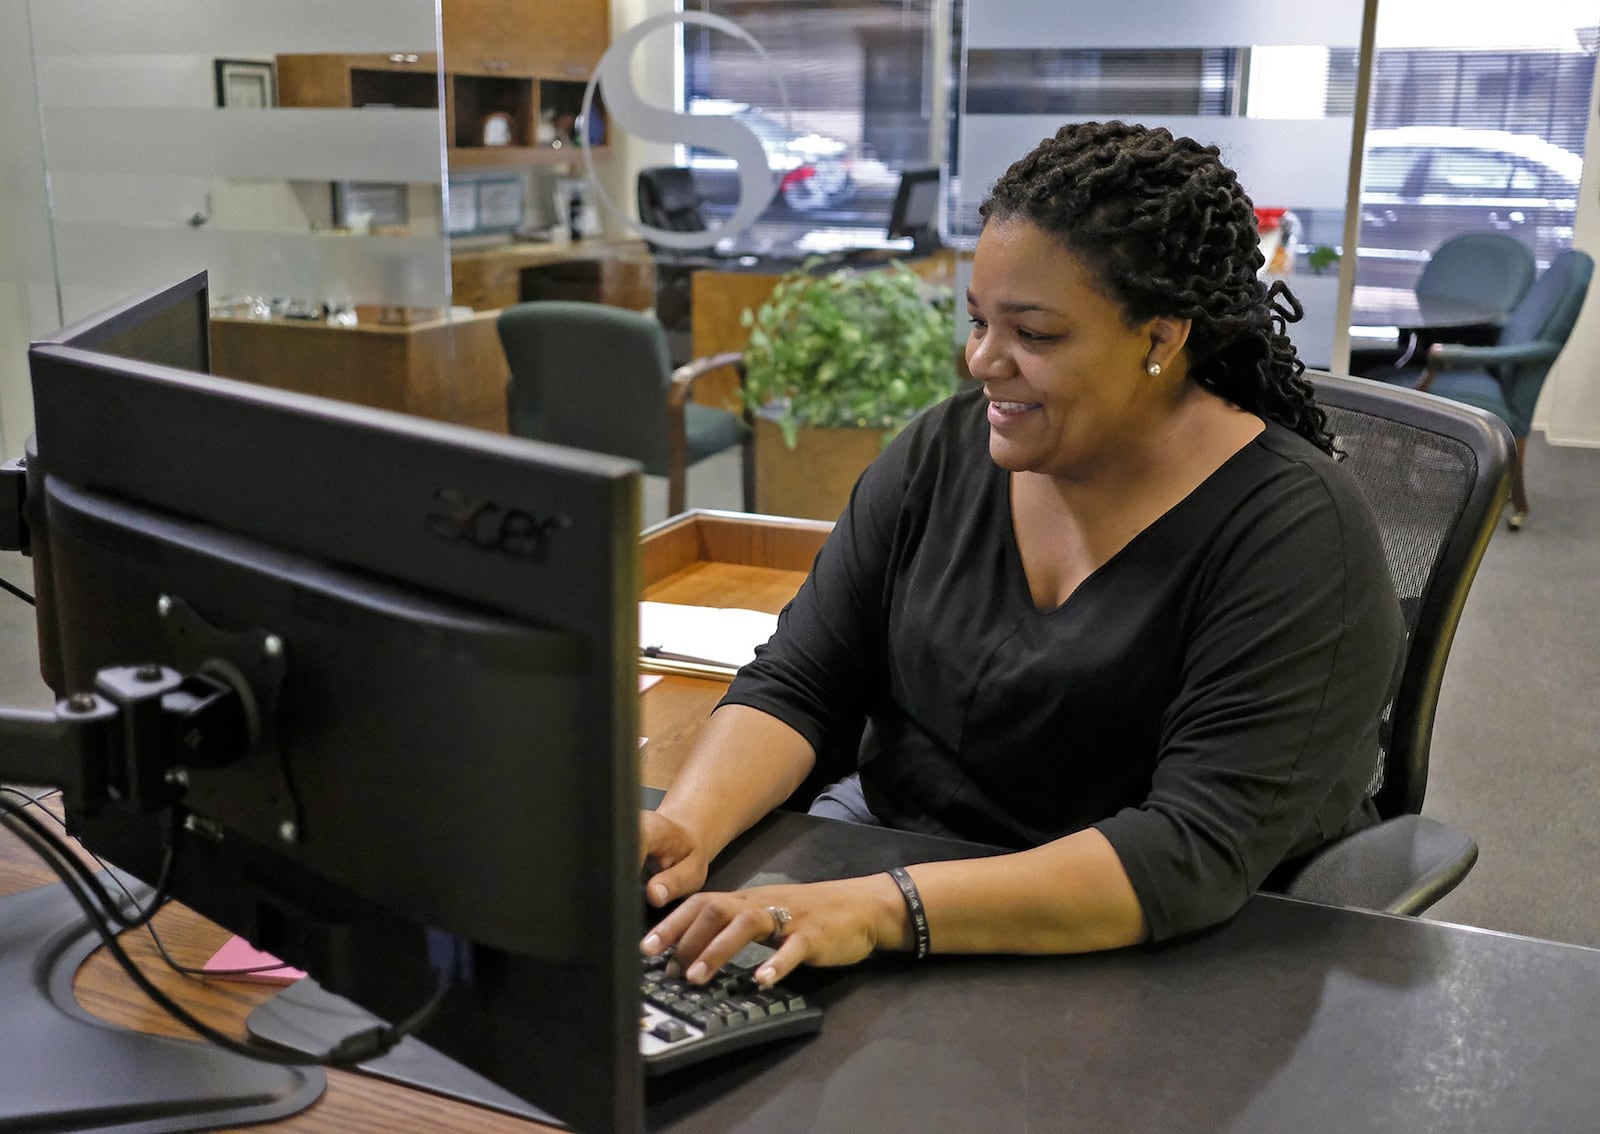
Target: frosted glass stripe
1159,23
232,29
127,81
25,254
1300,163
394,270
113,198
314,145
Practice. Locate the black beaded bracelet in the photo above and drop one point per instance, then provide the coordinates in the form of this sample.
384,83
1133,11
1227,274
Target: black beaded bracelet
919,915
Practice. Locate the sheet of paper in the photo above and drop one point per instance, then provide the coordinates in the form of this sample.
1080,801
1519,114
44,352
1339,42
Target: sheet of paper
709,635
238,953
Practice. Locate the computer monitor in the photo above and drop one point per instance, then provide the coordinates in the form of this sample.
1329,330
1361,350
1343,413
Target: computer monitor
916,210
431,631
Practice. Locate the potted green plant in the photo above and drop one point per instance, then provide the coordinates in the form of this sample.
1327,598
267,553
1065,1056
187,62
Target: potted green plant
837,363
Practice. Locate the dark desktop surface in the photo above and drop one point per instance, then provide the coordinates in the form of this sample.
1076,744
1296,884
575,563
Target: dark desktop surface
1291,1016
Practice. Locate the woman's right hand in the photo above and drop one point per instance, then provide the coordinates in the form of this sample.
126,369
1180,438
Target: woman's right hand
675,853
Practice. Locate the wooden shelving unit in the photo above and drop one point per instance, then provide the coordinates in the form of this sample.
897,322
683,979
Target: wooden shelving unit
517,58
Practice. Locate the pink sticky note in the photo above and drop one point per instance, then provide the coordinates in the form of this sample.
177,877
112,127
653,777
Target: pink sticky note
238,953
648,679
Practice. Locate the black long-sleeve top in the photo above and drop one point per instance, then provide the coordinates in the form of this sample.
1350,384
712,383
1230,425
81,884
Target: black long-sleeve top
1208,699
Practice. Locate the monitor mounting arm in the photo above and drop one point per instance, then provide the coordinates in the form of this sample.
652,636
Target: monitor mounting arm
128,742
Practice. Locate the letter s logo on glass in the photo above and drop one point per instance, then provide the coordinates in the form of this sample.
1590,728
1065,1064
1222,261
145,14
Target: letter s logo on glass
624,106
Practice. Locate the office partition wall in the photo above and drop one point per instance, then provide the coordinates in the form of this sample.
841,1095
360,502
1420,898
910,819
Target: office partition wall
167,153
1266,83
151,145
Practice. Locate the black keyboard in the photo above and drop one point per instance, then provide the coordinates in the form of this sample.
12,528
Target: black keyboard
682,1023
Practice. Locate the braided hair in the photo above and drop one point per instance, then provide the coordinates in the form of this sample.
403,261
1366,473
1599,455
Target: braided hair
1165,228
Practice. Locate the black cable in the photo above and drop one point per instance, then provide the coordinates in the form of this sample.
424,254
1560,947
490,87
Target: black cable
149,925
358,1048
110,908
18,591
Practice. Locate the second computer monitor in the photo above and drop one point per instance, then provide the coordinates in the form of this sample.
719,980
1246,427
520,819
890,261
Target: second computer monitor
916,209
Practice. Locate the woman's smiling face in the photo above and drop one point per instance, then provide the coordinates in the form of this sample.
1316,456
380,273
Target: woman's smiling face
1064,373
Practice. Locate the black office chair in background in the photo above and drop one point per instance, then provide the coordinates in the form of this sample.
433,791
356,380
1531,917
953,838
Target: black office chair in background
1436,475
668,199
600,378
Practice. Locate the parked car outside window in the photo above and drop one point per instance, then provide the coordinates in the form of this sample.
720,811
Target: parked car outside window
1422,185
813,170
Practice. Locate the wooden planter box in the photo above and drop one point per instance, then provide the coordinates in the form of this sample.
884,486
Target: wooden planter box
812,480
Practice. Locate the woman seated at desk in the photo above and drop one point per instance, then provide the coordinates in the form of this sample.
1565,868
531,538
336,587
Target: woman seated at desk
1119,609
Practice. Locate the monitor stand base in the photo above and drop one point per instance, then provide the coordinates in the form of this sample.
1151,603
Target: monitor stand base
307,1017
65,1069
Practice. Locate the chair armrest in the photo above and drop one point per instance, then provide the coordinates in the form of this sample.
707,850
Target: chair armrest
1454,356
1401,865
684,378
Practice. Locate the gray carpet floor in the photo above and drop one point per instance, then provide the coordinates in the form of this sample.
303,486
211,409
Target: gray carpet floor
1514,749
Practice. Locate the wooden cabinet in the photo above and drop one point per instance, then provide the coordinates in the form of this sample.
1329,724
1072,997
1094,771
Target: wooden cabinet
517,61
401,79
620,274
557,39
447,369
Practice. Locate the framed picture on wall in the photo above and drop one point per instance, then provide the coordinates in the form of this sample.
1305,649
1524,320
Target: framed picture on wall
461,212
251,84
358,204
500,203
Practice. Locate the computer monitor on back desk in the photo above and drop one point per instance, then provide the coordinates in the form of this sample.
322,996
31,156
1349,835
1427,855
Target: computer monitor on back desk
911,231
374,676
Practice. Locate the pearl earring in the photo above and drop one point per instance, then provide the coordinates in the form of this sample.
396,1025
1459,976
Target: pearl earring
1154,370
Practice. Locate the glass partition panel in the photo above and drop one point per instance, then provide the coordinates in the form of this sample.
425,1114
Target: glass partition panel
1260,81
169,149
1476,124
295,151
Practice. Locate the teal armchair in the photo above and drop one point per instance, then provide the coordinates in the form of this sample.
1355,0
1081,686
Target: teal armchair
1506,378
599,378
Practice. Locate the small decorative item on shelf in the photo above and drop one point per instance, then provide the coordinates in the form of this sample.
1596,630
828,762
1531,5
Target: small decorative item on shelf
566,128
498,129
1279,229
1321,258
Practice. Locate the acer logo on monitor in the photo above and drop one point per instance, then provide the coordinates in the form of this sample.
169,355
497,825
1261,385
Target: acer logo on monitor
489,526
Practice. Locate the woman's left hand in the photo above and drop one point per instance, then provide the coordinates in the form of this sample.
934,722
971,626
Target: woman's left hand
829,923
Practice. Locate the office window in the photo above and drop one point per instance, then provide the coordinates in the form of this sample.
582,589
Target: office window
1470,139
857,76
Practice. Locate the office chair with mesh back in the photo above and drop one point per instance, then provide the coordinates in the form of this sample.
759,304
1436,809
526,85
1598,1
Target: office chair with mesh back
599,378
1436,475
1506,378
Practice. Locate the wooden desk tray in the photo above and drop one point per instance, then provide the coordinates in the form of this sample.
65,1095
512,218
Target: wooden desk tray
705,558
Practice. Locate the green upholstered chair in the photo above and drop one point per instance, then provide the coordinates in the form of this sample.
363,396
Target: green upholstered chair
1506,378
1487,270
1480,267
597,377
1436,474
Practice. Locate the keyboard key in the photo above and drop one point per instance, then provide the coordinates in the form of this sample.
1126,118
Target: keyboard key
685,1023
